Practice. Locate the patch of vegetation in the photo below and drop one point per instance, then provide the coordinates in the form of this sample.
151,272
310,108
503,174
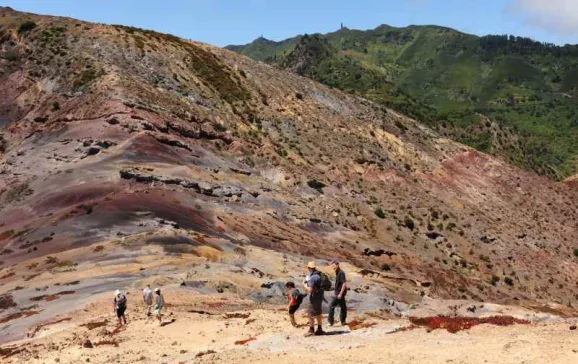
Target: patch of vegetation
17,193
509,281
409,223
26,26
11,56
505,95
3,144
54,106
385,267
494,280
219,127
85,77
576,252
6,234
379,213
216,74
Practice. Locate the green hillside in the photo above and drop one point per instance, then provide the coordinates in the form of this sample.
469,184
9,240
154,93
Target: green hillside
504,95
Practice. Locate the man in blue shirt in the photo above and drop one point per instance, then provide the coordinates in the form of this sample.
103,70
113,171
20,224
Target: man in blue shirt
314,310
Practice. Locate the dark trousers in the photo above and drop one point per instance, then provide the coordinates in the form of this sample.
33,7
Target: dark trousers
342,309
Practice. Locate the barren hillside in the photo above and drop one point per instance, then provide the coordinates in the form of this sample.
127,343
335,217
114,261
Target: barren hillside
129,156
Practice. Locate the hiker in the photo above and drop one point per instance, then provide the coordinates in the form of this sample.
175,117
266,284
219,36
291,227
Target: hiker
147,297
120,306
315,290
295,298
339,295
159,303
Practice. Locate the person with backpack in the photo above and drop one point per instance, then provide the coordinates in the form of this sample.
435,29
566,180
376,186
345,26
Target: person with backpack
120,306
339,295
315,286
295,299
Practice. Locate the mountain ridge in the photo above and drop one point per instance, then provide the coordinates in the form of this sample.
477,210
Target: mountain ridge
447,79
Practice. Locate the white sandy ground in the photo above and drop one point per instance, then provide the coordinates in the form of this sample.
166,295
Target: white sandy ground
276,341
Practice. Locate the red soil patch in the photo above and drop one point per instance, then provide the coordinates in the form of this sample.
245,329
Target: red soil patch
51,297
17,315
95,324
117,330
7,275
215,304
107,342
244,342
455,324
11,351
356,325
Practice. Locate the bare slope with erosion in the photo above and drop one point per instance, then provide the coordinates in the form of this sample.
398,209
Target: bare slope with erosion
129,155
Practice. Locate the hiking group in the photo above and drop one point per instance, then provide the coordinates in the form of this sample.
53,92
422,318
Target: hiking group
152,304
315,284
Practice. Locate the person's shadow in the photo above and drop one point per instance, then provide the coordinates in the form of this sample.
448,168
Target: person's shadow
331,333
168,322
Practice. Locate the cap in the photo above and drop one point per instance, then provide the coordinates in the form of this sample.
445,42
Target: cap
311,264
117,292
157,289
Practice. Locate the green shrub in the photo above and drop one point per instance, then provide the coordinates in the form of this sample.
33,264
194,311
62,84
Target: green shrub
509,281
379,212
3,144
576,252
54,106
385,267
219,127
26,26
85,78
409,223
494,280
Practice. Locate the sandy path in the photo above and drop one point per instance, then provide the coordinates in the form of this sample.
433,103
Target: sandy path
187,334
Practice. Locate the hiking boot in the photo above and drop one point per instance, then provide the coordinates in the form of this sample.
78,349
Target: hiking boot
319,332
330,324
309,333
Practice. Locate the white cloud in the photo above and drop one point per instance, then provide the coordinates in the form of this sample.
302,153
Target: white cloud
551,15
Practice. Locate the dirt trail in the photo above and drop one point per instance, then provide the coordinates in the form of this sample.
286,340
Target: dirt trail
196,329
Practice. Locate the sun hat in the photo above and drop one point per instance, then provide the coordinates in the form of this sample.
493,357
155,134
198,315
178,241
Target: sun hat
157,289
311,264
117,292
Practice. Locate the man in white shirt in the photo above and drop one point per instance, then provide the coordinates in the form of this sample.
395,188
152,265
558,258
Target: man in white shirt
147,297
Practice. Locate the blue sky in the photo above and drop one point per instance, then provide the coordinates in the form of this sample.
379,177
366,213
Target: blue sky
223,22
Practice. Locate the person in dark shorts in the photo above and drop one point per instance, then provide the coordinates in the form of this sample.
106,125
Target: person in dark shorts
120,306
295,298
314,309
339,295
